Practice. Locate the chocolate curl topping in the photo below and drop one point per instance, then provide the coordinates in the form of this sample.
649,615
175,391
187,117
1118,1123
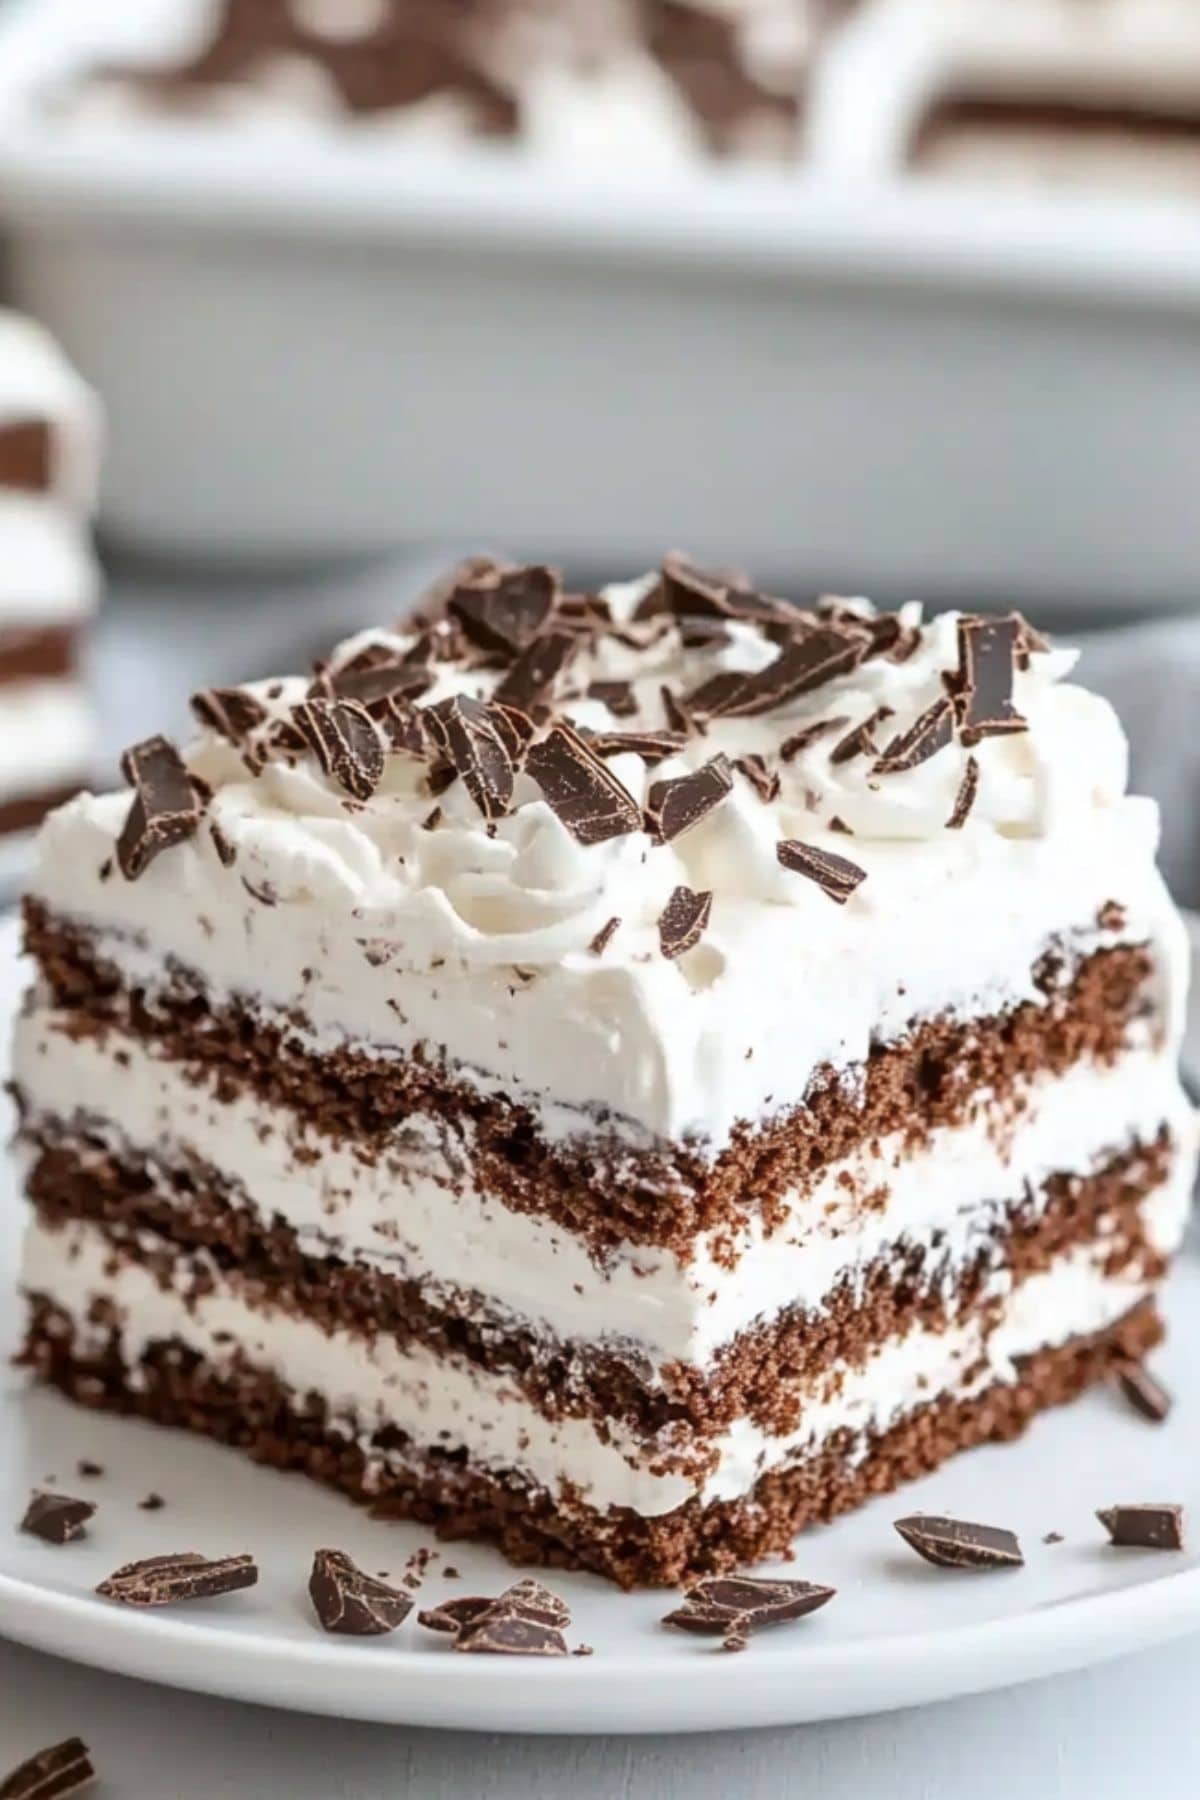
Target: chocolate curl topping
345,741
166,807
590,801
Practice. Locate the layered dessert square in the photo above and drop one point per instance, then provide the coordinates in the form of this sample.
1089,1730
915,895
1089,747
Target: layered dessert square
625,1075
49,442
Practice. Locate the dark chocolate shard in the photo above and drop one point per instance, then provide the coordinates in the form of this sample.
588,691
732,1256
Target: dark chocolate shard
1143,1526
836,875
933,731
345,741
575,783
692,593
746,1604
515,727
957,1544
709,700
763,779
965,798
225,850
185,1575
53,1773
683,923
502,610
532,1600
352,1603
527,1600
603,937
651,746
450,1616
618,696
702,633
983,686
531,680
166,807
678,714
377,683
233,713
673,807
809,735
57,1518
500,1633
860,740
1143,1392
804,664
477,742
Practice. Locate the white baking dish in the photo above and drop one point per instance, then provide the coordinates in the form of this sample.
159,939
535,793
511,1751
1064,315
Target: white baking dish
313,343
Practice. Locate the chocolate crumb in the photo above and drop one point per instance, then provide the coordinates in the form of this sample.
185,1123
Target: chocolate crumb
152,1503
88,1469
57,1518
1053,1537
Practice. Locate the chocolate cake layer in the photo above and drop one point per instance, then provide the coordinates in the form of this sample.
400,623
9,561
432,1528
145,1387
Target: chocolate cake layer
172,1386
187,1227
27,455
37,653
28,810
1005,117
597,1184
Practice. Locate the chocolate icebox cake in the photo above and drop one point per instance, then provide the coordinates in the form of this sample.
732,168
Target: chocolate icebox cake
622,1075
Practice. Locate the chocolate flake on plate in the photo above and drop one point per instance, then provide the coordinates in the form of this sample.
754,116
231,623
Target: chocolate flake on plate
673,807
184,1575
502,610
965,798
933,731
57,1518
835,875
603,937
983,686
683,922
1143,1392
165,809
233,713
152,1503
352,1603
52,1774
477,743
618,696
1143,1526
736,1605
345,741
530,682
808,735
957,1544
527,1619
764,780
500,1633
592,804
88,1469
451,1615
861,740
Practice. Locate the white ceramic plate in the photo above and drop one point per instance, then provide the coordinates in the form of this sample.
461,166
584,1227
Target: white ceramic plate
898,1633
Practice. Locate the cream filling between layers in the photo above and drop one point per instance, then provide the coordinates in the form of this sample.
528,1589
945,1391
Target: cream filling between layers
414,1215
442,1404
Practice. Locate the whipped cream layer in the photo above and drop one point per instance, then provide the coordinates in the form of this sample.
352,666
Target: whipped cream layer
46,735
415,1213
442,1404
393,928
1140,52
48,575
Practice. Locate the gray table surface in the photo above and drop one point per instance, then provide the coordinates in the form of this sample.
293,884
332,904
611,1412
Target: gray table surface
1121,1729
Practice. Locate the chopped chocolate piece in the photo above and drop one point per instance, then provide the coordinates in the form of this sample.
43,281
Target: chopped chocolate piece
745,1603
233,713
527,1600
152,1503
433,821
184,1575
1143,1392
708,700
499,1633
692,593
502,610
734,1641
837,824
651,746
618,696
352,1603
673,807
965,798
764,780
1030,641
1053,1537
165,810
221,844
90,1470
933,731
802,665
678,714
403,726
984,682
702,634
890,637
63,1769
835,875
1143,1526
955,1544
451,1615
477,743
861,739
533,1600
808,735
515,727
683,922
600,942
530,682
345,741
56,1517
377,683
590,802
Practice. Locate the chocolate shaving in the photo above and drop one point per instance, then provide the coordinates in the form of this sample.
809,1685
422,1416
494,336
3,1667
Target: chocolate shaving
577,786
735,1605
477,742
345,741
692,593
712,696
861,739
683,922
527,1619
1143,1526
62,1769
807,663
673,807
764,780
810,734
508,1634
618,696
965,798
835,875
530,682
233,713
374,685
702,634
352,1603
983,685
955,1544
226,852
502,610
678,713
651,746
451,1615
165,810
933,731
56,1518
162,1580
402,725
603,937
1143,1392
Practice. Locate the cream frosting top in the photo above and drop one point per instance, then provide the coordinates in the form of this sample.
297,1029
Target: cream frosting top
401,917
